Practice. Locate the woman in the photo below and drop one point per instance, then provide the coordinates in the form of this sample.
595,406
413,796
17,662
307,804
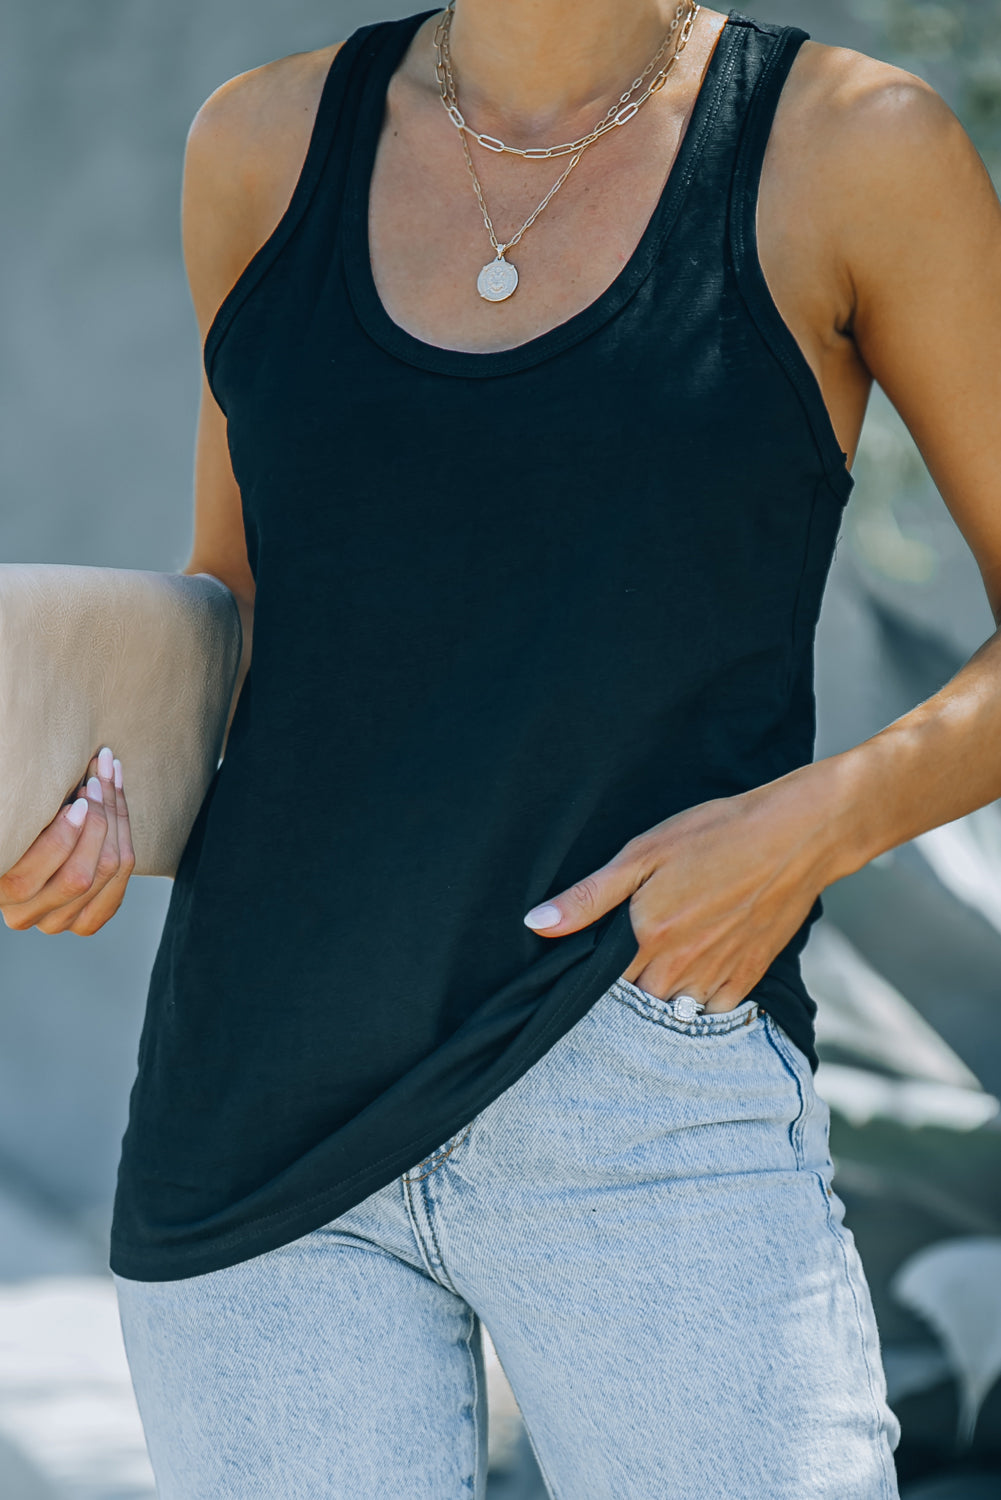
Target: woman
527,470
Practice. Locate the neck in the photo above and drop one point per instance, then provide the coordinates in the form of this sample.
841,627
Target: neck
535,65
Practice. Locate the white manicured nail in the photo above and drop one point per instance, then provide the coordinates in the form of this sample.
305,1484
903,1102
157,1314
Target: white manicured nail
94,791
78,812
105,764
118,775
544,916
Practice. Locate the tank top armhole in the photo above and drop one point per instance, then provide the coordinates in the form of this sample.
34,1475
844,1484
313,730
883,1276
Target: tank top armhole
311,171
754,289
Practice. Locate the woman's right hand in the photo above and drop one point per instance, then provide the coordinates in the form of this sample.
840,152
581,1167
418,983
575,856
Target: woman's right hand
73,877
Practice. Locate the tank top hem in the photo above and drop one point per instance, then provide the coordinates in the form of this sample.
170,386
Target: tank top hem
198,1255
614,952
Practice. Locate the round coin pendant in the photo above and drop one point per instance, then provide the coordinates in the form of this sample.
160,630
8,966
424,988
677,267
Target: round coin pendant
497,280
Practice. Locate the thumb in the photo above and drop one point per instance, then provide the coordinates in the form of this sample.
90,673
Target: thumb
586,901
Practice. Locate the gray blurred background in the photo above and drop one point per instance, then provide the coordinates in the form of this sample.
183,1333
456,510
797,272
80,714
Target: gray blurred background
98,384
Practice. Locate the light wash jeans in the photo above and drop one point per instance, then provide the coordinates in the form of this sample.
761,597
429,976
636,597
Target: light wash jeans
644,1221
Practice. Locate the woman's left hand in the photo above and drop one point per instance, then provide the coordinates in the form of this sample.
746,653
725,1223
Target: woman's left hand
715,892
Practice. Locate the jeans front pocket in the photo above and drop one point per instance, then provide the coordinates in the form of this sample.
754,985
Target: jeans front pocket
666,1012
679,1098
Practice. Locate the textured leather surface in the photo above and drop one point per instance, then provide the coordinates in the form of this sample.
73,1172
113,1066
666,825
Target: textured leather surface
143,662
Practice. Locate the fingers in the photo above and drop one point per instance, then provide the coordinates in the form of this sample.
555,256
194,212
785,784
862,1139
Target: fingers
715,997
101,908
589,899
727,998
671,960
126,851
64,865
721,984
47,854
76,884
107,862
73,883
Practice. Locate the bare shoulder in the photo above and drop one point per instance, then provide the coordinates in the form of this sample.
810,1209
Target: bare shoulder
862,127
244,153
257,125
868,176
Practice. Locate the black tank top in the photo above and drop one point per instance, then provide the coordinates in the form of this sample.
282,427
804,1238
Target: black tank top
512,609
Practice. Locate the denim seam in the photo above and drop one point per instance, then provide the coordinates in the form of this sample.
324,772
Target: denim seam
798,1125
418,1235
434,1161
888,1487
476,1399
443,1275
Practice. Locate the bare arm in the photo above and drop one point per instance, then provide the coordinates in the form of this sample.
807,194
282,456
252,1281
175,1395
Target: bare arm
923,239
905,229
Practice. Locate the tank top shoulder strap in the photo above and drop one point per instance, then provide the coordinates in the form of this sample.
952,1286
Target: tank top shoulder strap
344,95
767,56
341,99
733,115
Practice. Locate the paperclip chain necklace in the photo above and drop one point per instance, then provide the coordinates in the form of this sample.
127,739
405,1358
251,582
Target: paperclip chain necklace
499,278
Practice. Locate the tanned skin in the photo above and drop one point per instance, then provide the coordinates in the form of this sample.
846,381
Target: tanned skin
880,239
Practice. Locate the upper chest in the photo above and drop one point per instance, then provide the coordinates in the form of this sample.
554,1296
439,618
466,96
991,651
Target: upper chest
427,236
427,227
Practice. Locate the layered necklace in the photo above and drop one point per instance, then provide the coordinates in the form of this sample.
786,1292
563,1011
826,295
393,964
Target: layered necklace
499,278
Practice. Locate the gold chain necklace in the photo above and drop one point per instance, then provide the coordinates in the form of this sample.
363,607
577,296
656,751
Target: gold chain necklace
499,278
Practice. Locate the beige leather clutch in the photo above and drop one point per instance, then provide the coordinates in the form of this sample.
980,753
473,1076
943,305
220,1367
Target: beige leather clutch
143,662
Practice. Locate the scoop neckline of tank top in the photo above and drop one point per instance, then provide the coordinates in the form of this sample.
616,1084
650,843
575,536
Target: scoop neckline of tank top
364,294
